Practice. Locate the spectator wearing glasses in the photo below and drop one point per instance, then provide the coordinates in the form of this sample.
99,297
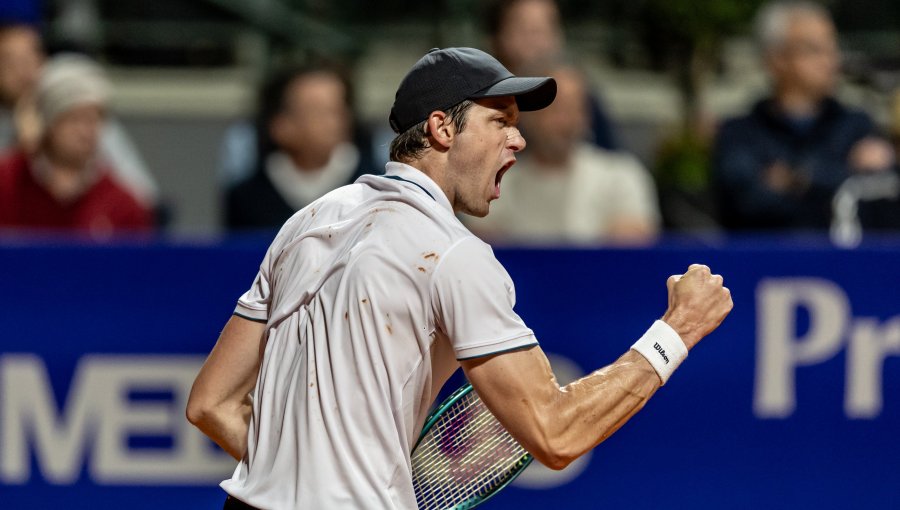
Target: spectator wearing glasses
778,167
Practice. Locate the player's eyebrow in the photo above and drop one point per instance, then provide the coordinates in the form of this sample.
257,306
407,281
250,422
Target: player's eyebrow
511,114
503,107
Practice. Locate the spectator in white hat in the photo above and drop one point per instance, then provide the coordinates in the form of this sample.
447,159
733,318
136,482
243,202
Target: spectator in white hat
21,59
63,184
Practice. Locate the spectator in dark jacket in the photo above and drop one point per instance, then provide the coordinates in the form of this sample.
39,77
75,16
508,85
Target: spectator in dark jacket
779,166
304,132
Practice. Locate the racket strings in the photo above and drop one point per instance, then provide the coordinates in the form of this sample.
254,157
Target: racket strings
464,481
465,454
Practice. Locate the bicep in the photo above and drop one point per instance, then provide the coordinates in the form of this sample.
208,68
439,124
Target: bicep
230,371
515,386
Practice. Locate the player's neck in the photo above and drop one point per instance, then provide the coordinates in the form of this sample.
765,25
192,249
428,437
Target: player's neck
435,169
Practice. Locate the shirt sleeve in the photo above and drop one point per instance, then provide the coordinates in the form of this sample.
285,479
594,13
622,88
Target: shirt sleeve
473,299
254,304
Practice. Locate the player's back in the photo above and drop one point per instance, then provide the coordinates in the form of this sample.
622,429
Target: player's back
353,355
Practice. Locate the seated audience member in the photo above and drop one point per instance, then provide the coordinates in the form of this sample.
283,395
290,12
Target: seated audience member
305,148
21,58
564,189
525,32
778,167
64,185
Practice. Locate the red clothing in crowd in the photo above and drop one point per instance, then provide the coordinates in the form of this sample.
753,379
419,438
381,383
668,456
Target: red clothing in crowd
102,209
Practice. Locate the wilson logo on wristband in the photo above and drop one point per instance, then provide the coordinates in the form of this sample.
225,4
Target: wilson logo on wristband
661,351
663,348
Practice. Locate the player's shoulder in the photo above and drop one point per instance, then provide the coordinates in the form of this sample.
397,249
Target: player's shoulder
329,208
467,254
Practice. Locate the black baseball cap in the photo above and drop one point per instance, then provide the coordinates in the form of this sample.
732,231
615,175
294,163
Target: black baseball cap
446,77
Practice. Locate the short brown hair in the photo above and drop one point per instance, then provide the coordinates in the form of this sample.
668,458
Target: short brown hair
410,144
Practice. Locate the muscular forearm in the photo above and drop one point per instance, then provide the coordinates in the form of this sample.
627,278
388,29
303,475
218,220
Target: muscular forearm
591,409
557,424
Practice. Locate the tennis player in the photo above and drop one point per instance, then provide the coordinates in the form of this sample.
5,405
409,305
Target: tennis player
372,296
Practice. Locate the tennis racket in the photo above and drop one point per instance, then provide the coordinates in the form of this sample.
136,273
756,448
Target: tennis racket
464,456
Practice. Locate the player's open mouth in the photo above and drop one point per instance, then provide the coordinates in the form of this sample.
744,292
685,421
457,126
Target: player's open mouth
499,177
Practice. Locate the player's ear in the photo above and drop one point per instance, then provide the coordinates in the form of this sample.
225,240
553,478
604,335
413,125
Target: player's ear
440,129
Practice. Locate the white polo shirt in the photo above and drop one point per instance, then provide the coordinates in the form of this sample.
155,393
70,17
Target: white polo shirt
370,295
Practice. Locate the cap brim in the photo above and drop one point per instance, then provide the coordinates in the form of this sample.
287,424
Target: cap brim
531,93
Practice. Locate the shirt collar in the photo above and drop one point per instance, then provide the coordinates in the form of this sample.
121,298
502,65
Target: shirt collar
409,173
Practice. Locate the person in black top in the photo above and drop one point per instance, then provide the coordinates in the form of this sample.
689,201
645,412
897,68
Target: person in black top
305,147
779,166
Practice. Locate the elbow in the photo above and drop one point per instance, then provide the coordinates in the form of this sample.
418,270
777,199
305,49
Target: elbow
194,413
554,458
553,448
554,462
197,412
555,455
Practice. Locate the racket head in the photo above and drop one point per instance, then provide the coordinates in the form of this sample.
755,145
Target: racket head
459,437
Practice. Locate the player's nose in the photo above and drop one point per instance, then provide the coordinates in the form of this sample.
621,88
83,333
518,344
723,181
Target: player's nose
515,141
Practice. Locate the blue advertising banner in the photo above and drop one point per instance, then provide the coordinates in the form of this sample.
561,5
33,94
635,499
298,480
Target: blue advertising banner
792,403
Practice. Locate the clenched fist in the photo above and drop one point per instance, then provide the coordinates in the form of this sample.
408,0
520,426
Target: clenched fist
698,303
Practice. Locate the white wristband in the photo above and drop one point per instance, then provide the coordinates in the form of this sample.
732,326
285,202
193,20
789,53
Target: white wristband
663,348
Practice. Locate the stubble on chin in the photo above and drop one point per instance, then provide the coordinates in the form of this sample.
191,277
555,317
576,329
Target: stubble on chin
464,207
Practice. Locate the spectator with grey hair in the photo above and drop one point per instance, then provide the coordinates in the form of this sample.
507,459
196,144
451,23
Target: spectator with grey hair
63,184
779,166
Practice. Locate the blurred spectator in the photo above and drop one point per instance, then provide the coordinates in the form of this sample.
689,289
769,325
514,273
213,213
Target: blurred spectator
21,57
895,121
63,184
779,166
524,32
304,131
564,189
